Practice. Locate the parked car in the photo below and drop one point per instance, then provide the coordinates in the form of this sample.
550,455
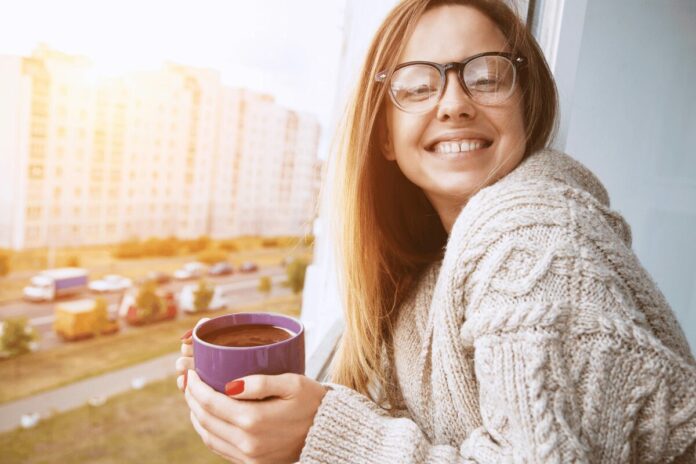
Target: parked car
111,283
220,269
248,266
156,277
54,283
75,320
190,270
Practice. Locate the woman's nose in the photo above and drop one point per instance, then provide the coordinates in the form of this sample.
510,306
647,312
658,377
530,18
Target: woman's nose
455,104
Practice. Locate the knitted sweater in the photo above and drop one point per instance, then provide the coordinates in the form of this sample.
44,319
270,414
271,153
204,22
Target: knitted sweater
538,338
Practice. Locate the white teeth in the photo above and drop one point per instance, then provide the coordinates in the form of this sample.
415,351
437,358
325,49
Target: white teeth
459,147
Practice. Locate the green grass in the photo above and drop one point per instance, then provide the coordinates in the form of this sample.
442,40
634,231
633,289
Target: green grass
36,372
147,426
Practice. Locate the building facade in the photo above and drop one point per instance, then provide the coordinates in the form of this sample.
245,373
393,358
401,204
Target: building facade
171,152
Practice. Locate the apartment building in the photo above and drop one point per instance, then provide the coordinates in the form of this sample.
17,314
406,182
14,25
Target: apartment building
267,168
157,153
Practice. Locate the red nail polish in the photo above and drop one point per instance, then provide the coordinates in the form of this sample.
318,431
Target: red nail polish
234,387
188,334
185,379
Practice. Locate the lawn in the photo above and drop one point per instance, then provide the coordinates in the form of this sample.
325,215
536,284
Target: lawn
36,372
146,426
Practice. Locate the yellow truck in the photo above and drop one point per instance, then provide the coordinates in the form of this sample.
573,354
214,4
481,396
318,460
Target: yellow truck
75,320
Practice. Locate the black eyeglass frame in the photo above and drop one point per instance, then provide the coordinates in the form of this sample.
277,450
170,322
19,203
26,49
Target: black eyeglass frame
517,61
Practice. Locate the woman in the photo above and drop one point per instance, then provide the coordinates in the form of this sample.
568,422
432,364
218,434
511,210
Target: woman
494,309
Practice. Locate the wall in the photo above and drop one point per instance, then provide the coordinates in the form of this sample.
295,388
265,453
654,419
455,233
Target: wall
633,122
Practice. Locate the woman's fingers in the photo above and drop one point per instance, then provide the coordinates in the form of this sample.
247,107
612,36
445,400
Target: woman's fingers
180,383
183,364
187,350
186,362
227,409
215,443
187,337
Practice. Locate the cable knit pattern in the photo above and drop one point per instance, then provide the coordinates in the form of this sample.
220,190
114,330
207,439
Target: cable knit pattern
539,338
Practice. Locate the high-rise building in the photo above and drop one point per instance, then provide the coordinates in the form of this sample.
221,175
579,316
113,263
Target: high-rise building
267,168
157,153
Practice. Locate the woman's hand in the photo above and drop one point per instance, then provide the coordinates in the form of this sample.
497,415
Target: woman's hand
184,363
265,419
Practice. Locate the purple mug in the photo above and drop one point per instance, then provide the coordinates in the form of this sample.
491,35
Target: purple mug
216,365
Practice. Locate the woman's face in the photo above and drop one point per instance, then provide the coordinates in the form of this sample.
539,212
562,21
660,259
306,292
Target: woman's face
416,141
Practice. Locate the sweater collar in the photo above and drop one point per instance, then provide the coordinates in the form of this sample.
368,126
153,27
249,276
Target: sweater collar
552,165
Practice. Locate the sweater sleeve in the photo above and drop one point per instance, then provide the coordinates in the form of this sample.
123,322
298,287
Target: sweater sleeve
350,429
525,418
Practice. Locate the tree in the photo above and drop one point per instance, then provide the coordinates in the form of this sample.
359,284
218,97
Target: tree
154,246
229,245
265,285
212,256
269,242
16,336
308,240
4,263
129,249
202,296
296,274
147,303
199,244
169,246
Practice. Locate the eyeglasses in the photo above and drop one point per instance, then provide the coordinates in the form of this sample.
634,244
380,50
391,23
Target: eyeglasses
488,78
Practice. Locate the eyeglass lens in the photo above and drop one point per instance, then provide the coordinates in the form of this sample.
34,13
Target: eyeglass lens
418,87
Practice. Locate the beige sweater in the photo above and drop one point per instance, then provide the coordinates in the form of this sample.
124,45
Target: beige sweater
538,338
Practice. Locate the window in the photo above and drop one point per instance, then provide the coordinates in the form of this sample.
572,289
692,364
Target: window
36,171
33,212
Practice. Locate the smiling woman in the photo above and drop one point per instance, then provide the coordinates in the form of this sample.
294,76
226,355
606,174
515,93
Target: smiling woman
495,311
473,130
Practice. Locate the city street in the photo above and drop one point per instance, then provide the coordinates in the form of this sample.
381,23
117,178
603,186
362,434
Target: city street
244,287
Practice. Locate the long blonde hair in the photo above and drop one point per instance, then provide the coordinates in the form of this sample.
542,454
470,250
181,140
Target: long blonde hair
386,230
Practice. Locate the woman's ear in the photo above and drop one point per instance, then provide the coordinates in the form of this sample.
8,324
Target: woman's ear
388,148
385,145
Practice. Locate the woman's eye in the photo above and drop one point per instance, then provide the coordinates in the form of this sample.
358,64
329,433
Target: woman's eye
422,91
487,82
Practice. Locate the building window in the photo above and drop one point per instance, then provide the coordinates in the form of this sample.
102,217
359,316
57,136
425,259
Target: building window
35,171
33,212
32,233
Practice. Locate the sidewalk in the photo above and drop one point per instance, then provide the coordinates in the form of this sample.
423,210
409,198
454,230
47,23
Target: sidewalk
77,394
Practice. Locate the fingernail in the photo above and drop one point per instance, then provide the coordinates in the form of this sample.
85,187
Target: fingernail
234,387
185,378
188,334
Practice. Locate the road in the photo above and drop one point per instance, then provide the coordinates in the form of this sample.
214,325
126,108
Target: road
41,317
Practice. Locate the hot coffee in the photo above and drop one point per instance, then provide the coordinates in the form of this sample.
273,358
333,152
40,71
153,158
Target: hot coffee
245,335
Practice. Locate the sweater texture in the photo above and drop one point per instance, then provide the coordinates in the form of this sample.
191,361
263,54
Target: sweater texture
539,338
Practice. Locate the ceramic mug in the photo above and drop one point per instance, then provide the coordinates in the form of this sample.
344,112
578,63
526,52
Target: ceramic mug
216,365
